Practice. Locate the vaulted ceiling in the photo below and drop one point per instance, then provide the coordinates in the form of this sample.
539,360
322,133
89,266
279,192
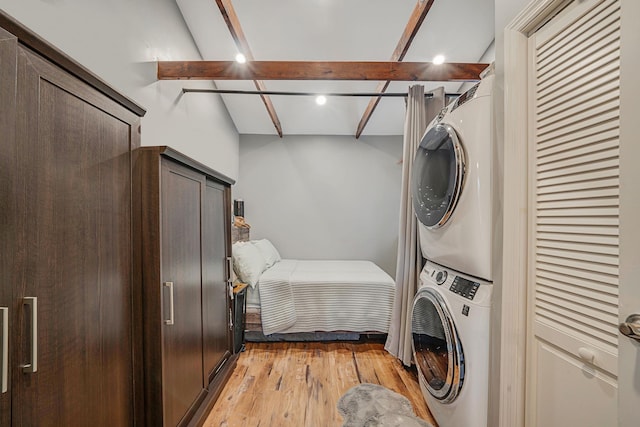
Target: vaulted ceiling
333,31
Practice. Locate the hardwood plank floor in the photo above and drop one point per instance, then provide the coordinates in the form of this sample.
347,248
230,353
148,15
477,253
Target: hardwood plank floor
299,384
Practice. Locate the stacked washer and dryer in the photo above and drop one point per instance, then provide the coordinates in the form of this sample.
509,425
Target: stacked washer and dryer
452,190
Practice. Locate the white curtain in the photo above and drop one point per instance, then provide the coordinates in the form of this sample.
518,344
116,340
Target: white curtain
420,111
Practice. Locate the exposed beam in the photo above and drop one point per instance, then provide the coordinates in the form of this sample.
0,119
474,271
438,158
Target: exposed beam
233,23
319,70
415,21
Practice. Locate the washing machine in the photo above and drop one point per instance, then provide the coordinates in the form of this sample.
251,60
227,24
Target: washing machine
450,338
452,183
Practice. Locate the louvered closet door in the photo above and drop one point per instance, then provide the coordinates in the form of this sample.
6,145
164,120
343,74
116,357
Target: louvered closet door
574,216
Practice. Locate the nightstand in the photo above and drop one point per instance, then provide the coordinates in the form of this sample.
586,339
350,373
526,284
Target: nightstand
239,305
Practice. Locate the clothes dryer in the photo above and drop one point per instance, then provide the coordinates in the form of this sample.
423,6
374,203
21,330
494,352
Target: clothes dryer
450,339
452,184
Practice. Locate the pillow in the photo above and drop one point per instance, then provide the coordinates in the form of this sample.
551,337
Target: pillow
248,262
268,251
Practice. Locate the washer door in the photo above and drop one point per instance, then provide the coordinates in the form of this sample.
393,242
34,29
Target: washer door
437,350
438,174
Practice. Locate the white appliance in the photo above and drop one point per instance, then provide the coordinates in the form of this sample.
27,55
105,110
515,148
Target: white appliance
450,339
452,184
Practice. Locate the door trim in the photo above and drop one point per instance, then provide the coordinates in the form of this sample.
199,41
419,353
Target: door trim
629,208
513,326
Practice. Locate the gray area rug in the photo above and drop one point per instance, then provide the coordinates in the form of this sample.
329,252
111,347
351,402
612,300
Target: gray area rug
371,405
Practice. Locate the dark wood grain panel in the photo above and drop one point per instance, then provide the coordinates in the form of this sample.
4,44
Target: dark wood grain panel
136,280
319,70
8,51
74,231
147,232
216,334
181,200
182,229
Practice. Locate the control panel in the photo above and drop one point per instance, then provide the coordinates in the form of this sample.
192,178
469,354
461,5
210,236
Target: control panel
464,287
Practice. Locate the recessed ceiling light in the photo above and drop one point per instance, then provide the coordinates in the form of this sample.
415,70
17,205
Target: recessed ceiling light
240,58
438,59
321,100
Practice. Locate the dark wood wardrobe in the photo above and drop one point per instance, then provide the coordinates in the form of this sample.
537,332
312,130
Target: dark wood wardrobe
185,256
66,269
93,231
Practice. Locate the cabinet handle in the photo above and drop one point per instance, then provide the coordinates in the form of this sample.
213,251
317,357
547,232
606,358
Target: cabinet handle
4,386
32,366
229,277
170,286
229,269
587,355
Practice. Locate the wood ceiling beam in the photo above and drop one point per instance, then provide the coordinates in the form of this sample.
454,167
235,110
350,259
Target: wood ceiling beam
411,29
233,23
319,70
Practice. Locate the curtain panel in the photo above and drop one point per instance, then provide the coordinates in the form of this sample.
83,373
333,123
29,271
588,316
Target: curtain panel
420,111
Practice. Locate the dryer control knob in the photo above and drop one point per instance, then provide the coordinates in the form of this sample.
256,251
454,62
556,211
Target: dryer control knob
441,277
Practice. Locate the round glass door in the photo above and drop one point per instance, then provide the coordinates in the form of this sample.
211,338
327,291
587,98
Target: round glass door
437,350
438,174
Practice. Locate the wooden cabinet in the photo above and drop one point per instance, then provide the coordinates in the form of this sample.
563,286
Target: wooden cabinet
184,237
66,266
8,76
216,273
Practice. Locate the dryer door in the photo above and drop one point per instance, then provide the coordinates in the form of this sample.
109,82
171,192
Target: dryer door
438,174
437,350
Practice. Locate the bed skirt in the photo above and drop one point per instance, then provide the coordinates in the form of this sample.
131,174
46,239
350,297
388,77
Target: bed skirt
253,332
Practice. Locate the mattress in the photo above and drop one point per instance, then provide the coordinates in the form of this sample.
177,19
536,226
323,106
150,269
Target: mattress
311,296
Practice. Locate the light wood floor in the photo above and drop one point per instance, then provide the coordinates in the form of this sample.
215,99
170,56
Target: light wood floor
299,384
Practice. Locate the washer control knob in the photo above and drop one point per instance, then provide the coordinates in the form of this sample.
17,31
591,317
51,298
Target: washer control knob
441,277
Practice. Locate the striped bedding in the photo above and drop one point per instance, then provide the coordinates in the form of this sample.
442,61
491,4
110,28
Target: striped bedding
311,296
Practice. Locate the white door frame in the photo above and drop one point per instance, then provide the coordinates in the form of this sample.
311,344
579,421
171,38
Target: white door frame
628,350
513,331
512,399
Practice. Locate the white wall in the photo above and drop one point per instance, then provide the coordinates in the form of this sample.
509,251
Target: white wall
323,197
120,40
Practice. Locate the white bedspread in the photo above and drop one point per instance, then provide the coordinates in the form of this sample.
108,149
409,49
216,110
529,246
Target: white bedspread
310,296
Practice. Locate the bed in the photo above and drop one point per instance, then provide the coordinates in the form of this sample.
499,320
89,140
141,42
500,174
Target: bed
290,296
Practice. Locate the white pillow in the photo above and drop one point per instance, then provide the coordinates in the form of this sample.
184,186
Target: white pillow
248,262
268,251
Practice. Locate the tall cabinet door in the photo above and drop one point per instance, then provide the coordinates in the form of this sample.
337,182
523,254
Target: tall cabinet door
181,204
72,309
8,47
215,288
